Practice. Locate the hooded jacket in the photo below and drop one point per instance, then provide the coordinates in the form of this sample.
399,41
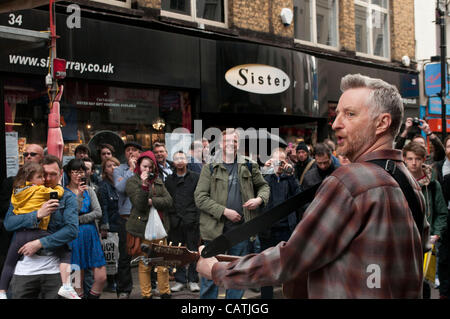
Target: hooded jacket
139,196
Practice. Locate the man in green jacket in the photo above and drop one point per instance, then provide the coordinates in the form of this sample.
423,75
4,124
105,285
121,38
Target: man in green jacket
415,155
228,193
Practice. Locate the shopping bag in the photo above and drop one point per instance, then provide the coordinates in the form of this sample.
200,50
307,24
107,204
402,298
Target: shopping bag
154,228
429,267
110,246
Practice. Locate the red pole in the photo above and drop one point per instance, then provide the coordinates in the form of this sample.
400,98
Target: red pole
55,141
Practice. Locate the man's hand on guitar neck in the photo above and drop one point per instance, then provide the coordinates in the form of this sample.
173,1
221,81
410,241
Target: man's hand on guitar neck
205,265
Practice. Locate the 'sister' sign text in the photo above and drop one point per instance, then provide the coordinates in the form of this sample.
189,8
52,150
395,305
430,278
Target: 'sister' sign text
258,78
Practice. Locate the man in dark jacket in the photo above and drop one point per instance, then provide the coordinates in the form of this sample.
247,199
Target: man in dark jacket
184,217
304,161
283,185
322,168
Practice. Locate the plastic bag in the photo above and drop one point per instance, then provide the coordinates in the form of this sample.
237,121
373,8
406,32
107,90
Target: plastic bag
429,267
154,228
110,246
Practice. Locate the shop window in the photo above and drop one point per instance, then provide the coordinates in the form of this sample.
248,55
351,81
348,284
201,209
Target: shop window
120,3
93,113
316,21
372,28
211,12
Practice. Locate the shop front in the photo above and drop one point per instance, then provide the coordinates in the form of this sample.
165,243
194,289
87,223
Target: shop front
133,83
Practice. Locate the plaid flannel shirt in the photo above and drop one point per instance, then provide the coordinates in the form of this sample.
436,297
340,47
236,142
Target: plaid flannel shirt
358,226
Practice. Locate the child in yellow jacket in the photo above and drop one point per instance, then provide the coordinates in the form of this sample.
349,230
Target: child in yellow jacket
29,194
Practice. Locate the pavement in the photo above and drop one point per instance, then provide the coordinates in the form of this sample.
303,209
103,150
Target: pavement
185,293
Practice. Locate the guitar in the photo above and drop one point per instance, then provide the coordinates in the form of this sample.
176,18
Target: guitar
172,256
179,256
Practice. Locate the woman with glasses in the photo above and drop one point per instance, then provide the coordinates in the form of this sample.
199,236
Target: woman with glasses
87,252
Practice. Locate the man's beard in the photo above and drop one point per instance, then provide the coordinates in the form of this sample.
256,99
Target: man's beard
354,146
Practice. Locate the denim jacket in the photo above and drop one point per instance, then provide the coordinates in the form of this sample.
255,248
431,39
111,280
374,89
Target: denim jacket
63,224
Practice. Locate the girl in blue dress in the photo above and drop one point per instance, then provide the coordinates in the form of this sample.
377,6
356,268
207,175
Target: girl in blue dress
87,252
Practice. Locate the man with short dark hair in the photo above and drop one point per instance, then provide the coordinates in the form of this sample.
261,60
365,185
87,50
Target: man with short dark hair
121,175
38,275
184,217
304,161
82,151
322,168
165,166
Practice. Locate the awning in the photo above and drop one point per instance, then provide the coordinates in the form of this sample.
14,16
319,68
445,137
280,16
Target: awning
18,39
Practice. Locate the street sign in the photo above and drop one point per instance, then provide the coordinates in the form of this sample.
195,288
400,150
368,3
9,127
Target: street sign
433,79
435,105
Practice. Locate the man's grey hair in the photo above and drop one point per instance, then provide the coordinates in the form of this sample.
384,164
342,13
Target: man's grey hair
384,98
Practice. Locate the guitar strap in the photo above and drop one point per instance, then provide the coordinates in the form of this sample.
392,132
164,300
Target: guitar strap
227,240
413,202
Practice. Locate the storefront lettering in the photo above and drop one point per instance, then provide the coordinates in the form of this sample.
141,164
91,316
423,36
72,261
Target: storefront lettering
258,78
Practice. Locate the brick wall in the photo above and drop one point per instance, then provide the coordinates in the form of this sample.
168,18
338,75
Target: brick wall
347,25
154,4
402,29
251,15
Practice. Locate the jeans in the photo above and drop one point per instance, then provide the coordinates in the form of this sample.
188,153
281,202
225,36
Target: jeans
208,290
123,277
188,235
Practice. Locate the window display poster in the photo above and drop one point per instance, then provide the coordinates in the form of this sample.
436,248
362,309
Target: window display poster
12,153
176,142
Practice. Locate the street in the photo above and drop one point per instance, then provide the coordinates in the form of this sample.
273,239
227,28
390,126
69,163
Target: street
185,293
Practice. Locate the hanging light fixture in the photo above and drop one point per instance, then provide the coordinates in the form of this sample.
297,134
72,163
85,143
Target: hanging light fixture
159,124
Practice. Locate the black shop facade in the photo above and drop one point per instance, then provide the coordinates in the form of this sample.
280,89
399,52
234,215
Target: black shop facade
132,83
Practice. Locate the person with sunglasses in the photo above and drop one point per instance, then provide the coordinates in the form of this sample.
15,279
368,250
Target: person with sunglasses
32,153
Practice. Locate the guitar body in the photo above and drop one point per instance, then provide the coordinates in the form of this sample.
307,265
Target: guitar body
296,288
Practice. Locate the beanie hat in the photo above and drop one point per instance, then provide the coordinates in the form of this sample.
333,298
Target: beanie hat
302,146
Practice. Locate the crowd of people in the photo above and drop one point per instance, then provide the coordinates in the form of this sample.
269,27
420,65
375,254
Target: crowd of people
54,218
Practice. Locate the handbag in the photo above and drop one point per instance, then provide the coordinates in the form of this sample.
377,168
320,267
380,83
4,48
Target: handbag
154,229
133,245
429,267
110,246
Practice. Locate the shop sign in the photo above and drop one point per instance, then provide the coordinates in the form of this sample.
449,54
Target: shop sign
435,106
435,125
258,78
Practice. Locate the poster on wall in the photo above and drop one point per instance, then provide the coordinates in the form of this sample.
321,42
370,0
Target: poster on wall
12,153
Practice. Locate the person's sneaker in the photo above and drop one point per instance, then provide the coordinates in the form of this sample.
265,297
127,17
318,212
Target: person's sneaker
177,287
193,286
124,295
68,292
3,295
166,296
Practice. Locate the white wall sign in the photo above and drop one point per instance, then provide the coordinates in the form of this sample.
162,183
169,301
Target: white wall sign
12,153
258,78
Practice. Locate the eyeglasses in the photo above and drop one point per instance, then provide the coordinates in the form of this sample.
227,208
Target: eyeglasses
80,173
32,154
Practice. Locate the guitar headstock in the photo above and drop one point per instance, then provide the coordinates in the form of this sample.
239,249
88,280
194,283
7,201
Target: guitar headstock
168,255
